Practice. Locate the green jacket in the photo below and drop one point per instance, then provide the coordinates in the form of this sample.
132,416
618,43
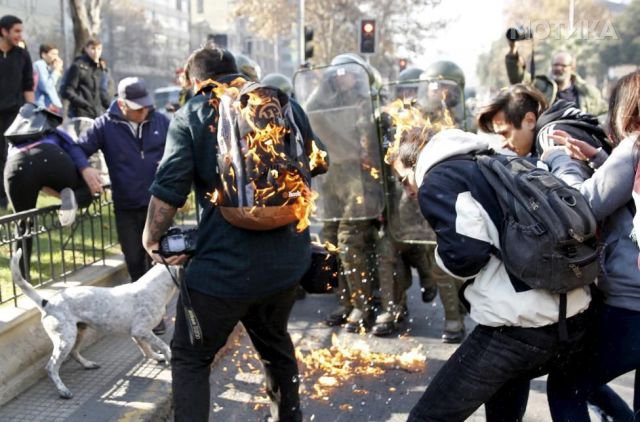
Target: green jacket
590,99
230,262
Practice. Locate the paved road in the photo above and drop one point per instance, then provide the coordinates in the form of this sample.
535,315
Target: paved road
237,394
128,389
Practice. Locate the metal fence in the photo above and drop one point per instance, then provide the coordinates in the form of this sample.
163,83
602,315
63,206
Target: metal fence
58,251
55,251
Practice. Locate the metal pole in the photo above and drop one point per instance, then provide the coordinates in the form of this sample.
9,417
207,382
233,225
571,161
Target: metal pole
301,31
572,8
276,54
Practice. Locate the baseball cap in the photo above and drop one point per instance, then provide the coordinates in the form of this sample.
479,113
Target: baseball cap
134,92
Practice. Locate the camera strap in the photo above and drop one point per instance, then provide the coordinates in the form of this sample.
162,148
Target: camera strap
193,325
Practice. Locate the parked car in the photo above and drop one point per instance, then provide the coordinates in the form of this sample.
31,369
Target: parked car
166,99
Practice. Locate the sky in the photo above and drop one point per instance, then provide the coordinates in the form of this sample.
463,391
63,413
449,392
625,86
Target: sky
473,26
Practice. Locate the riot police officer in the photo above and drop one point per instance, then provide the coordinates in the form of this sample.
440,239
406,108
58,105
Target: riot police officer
248,67
338,101
280,81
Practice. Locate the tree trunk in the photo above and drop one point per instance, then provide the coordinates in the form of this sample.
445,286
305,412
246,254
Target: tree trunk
85,15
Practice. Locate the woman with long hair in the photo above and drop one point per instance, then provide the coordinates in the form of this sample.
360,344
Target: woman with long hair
614,339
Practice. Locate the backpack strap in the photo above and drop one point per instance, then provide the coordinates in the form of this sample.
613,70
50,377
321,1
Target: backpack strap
472,156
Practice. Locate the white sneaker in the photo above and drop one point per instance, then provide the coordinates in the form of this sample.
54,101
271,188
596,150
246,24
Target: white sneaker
68,208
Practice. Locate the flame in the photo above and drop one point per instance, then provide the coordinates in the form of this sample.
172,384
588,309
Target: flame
405,116
263,144
317,159
330,368
374,172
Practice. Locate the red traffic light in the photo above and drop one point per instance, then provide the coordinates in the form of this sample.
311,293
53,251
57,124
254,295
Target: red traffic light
367,36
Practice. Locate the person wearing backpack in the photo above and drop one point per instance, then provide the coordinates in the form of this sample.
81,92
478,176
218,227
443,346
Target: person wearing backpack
236,274
520,114
615,346
518,333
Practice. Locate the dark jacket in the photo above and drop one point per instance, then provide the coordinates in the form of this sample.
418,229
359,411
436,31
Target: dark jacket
463,210
16,78
132,157
82,86
230,262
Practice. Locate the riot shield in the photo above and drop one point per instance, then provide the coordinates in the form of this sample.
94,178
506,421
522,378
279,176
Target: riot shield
403,105
338,102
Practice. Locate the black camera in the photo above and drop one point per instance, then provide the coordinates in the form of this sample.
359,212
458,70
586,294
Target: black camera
519,33
178,242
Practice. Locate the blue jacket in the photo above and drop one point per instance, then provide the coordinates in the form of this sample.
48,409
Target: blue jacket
46,89
229,262
132,157
609,194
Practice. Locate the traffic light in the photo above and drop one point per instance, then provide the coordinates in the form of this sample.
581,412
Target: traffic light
308,46
402,64
367,36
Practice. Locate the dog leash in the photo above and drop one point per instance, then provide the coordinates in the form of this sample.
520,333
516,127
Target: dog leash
193,325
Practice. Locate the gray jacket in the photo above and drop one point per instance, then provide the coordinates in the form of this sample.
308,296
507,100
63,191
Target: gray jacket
609,193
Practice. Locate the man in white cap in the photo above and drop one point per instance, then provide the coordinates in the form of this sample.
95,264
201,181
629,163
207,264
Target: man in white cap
131,135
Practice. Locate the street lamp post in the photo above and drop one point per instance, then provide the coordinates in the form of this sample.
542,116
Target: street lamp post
301,40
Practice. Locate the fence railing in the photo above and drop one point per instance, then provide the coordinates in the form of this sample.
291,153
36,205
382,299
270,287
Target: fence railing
55,251
58,251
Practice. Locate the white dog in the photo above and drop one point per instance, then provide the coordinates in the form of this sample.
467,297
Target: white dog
133,309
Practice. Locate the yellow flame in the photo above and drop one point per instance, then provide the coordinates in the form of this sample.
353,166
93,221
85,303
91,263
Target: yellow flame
262,144
317,159
405,116
333,367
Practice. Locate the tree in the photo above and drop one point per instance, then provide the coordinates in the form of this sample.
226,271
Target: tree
490,68
85,15
548,20
625,48
335,22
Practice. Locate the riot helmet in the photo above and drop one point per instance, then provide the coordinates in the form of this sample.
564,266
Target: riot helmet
446,83
248,67
375,79
280,81
444,69
407,86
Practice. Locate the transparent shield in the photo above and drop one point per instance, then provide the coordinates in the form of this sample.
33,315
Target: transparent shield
404,105
340,109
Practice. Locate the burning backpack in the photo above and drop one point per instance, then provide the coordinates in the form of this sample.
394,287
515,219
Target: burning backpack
263,166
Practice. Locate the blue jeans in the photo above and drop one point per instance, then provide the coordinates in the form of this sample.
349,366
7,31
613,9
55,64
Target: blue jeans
613,350
493,366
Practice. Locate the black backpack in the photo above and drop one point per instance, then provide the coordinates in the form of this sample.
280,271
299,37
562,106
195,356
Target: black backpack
548,235
31,124
263,165
580,125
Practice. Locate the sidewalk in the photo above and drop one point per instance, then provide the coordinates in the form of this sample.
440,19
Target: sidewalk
127,388
124,388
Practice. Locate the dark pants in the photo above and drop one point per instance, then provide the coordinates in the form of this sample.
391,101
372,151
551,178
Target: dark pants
30,170
6,118
493,366
613,350
265,320
130,225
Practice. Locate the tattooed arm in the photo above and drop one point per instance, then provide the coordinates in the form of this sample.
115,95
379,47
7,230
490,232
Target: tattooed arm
159,219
